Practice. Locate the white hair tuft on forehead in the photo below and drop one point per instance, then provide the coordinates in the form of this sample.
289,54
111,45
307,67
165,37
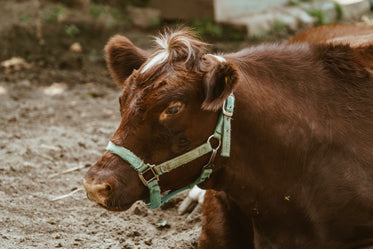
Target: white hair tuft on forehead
180,45
157,59
219,58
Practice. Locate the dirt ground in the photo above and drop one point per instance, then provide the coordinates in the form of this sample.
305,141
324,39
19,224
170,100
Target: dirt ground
48,127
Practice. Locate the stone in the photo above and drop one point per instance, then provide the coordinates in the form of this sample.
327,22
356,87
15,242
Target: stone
329,11
304,19
14,64
289,21
76,47
256,24
229,9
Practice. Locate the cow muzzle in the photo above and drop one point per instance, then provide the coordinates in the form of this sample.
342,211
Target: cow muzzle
97,191
113,184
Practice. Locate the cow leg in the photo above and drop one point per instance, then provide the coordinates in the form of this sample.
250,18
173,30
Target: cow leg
223,224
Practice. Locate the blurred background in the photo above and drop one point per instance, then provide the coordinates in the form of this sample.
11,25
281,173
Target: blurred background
71,33
59,107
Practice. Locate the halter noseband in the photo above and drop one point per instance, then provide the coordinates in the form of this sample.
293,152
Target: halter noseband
149,173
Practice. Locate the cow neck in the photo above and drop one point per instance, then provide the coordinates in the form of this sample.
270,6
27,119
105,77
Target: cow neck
149,173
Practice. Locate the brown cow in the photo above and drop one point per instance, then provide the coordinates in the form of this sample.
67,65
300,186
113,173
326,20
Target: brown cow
219,219
300,171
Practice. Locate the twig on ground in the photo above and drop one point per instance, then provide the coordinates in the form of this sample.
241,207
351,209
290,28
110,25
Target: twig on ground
67,195
69,170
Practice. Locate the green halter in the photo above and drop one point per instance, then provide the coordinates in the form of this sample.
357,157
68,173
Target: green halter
149,174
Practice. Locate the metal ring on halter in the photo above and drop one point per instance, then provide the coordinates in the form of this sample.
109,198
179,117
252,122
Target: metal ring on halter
217,147
214,151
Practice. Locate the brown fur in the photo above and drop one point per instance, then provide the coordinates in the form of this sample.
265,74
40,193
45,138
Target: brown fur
218,83
122,57
300,174
223,223
355,36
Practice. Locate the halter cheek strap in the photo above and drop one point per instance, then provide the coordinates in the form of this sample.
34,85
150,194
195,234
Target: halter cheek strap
149,174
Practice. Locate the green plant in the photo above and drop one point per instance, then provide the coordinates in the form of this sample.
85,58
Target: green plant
279,26
206,27
118,14
339,10
60,10
297,2
156,21
319,15
95,10
25,18
71,30
293,2
55,13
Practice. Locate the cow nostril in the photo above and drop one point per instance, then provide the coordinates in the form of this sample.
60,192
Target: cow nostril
108,187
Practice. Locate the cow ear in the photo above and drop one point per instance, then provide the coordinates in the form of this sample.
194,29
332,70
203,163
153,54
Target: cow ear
122,57
218,83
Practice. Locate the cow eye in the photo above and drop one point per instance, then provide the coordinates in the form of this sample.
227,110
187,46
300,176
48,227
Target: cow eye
172,109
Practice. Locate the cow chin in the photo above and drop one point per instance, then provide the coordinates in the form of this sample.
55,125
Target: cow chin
113,201
110,204
119,208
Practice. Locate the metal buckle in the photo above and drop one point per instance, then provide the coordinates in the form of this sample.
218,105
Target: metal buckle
154,177
225,111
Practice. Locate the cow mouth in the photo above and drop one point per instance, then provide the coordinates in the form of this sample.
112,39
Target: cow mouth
111,205
116,208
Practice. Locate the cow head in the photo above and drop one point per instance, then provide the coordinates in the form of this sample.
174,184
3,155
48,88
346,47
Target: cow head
169,104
